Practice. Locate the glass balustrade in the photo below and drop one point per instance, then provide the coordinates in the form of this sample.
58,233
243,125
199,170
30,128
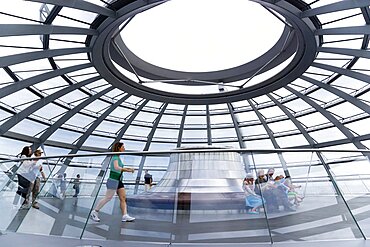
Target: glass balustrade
198,197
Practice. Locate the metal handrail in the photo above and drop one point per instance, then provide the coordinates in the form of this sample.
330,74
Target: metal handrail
196,150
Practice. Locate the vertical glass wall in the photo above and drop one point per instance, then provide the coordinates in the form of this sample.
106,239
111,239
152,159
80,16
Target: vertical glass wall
199,197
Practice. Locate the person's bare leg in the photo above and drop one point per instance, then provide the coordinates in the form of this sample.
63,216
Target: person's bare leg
108,196
122,198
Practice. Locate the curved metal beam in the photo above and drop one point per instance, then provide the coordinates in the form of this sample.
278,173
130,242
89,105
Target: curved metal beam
42,102
236,125
345,51
360,30
363,106
93,126
31,56
181,129
271,136
209,134
122,131
147,145
129,121
334,7
5,91
328,116
245,156
35,29
299,126
81,5
68,115
346,72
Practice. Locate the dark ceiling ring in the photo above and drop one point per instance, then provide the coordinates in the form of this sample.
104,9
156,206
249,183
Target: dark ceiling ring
241,72
305,52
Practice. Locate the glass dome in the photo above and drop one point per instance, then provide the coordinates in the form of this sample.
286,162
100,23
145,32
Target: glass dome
55,90
75,78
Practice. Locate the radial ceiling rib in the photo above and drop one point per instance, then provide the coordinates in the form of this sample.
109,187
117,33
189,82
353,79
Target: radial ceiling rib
328,116
236,125
5,91
129,121
81,5
299,126
271,136
345,51
100,119
339,93
42,102
147,145
209,134
31,56
334,7
120,134
182,124
360,30
239,135
346,72
93,126
49,131
34,29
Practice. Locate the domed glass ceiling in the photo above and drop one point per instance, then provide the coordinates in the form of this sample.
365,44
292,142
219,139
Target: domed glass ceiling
59,90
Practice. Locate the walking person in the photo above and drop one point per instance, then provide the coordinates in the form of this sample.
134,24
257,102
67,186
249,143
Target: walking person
115,185
76,185
148,180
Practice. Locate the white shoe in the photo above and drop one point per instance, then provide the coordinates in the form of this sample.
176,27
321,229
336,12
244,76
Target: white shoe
94,216
127,218
25,206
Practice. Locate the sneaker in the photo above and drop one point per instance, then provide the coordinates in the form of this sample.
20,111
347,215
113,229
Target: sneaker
253,212
36,205
25,206
127,218
289,209
94,216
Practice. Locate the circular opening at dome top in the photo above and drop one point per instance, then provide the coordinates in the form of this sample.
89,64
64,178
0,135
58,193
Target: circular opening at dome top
202,35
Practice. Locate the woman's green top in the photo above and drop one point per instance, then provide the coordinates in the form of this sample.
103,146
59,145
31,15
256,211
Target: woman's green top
115,174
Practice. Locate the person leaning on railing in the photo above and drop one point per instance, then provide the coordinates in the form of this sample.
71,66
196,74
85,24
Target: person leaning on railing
35,186
25,176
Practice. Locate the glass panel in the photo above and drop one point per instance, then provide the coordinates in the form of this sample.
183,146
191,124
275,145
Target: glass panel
288,200
360,127
291,141
28,127
345,110
98,141
253,130
166,133
271,112
327,135
200,189
353,180
313,119
282,126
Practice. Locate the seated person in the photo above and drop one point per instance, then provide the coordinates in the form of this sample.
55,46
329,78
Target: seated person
252,200
270,174
292,193
262,188
274,194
